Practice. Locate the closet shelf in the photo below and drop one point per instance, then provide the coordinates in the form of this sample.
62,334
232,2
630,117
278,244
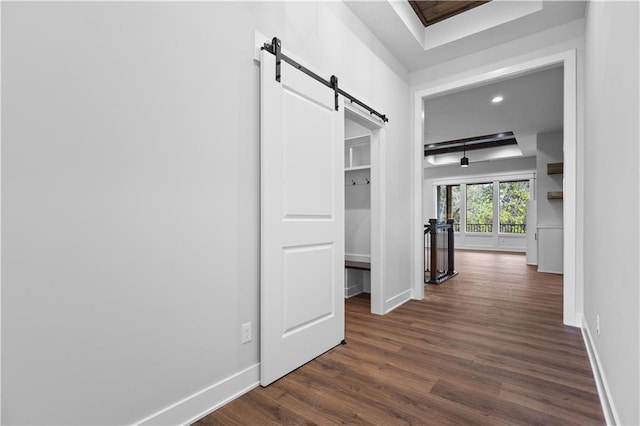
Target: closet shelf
351,169
357,154
356,139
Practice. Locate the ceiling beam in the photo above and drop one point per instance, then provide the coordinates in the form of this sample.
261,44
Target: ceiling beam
469,146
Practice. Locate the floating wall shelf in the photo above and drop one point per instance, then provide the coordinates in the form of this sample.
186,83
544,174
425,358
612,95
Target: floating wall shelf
555,168
555,195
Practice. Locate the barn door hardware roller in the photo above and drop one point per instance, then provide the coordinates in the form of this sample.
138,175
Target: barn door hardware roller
275,48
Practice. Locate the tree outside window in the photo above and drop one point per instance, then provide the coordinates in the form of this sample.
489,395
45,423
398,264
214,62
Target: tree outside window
480,207
449,204
513,206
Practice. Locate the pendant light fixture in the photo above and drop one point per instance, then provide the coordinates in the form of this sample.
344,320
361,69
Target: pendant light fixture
464,161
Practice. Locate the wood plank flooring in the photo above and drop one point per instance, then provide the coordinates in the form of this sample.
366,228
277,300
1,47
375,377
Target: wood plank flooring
485,348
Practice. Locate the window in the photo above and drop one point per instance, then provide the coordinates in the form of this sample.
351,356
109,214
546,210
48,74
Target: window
513,207
449,204
442,203
488,211
480,207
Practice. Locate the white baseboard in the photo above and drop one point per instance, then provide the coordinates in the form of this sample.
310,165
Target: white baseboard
575,322
608,407
395,301
356,281
549,271
491,248
201,403
578,320
352,291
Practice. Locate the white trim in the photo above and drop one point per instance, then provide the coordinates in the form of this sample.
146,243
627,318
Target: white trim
348,293
549,271
579,320
491,248
570,188
378,199
416,226
487,235
608,406
199,404
352,290
568,60
396,301
485,178
513,236
0,226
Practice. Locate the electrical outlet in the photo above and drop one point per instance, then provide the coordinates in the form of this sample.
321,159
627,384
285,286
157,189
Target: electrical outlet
246,332
598,325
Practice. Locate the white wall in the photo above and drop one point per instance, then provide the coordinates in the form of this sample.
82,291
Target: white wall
549,147
358,215
549,212
557,39
130,196
611,247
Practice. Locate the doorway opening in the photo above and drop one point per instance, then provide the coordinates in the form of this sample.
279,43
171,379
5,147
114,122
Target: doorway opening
572,292
364,198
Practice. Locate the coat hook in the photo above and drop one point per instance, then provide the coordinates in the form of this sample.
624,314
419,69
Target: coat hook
353,182
367,179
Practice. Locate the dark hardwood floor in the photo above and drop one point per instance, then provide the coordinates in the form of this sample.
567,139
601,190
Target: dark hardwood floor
487,347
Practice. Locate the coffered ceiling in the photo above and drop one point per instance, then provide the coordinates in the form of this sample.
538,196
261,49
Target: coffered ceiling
489,24
531,104
452,29
431,11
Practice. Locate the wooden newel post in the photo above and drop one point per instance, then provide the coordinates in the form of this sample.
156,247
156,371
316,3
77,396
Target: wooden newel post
433,231
450,247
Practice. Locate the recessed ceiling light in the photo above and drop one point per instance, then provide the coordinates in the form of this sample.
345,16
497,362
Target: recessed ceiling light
497,99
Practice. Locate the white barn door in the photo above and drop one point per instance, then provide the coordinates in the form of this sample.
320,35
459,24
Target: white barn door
302,220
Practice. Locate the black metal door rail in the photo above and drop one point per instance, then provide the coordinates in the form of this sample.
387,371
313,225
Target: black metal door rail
275,48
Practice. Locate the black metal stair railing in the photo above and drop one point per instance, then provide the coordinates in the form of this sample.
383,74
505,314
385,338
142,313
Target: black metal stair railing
505,228
439,253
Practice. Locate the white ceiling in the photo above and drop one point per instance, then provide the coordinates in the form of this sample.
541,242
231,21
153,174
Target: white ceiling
395,24
532,104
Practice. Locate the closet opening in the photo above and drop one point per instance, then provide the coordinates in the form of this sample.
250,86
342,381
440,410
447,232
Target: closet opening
357,203
364,194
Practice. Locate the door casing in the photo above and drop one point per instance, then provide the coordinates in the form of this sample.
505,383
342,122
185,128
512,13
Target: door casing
572,288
